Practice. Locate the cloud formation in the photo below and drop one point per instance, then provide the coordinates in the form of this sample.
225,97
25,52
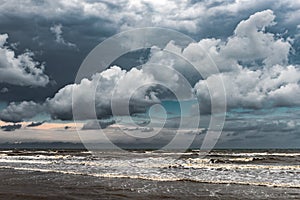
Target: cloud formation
88,22
253,64
251,42
11,127
97,92
20,69
4,90
263,88
34,124
257,54
187,16
57,30
18,112
97,124
259,75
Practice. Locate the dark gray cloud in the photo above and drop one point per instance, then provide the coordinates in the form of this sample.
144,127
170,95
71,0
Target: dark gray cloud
268,131
4,90
34,124
97,124
264,129
11,127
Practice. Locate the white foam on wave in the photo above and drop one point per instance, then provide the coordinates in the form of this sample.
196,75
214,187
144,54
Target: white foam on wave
253,154
41,157
161,168
197,164
161,179
26,161
148,162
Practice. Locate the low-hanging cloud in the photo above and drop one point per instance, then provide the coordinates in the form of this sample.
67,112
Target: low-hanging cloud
97,124
19,112
35,124
11,127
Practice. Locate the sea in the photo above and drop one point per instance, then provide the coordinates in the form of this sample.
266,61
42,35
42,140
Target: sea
146,174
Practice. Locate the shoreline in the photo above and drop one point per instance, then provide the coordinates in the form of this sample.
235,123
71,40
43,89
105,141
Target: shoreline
259,184
21,184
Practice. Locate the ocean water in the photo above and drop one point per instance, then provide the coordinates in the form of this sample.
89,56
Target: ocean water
252,168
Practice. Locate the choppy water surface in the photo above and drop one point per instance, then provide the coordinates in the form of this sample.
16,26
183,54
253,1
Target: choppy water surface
280,169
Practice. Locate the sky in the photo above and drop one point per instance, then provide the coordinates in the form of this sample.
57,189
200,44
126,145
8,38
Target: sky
254,45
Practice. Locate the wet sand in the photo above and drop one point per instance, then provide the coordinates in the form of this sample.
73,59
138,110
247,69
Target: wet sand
18,184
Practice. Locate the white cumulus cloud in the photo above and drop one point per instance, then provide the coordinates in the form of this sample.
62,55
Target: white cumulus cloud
20,69
248,83
113,83
253,64
17,112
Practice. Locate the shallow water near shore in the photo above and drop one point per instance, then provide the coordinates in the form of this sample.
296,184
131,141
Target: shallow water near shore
78,174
